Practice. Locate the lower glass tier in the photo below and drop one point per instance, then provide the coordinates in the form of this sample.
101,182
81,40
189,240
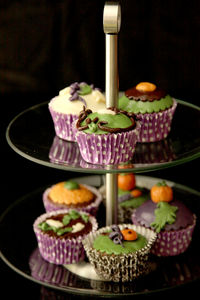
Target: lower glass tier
19,250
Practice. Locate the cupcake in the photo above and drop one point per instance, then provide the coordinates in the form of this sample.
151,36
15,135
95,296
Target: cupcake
169,218
120,253
65,107
153,107
70,194
60,234
130,196
106,137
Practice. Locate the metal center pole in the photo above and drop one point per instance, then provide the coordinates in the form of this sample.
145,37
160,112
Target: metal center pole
111,22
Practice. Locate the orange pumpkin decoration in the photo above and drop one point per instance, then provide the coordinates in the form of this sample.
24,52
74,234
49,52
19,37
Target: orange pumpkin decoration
136,193
126,182
161,192
129,234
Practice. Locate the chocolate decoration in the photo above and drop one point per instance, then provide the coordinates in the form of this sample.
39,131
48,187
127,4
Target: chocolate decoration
134,94
101,125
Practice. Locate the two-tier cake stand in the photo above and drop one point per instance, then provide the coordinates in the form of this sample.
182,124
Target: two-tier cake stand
31,134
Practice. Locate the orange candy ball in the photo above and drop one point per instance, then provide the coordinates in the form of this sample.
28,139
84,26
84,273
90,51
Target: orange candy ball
126,182
161,193
129,234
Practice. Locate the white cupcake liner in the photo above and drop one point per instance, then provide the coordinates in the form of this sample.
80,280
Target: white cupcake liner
63,124
123,267
156,126
91,208
104,149
56,250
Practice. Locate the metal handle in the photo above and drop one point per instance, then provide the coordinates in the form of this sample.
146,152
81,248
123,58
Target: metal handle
112,23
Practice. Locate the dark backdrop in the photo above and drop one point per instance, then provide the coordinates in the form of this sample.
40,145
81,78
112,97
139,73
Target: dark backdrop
46,45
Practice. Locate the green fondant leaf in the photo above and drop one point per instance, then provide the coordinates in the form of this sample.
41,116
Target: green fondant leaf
44,226
61,231
161,183
66,219
164,214
74,214
85,217
85,89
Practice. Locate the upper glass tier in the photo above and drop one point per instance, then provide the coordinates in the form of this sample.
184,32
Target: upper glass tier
32,135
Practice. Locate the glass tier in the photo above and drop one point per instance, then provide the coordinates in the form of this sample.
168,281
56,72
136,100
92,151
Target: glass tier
32,135
18,248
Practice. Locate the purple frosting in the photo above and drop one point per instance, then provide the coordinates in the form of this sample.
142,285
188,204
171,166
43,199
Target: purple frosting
144,215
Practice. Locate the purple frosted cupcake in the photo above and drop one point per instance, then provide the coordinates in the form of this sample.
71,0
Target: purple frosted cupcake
106,137
153,107
60,234
171,219
65,107
72,195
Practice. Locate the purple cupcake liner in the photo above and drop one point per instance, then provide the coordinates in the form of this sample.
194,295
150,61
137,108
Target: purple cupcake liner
107,149
171,243
156,126
63,124
92,208
64,152
60,251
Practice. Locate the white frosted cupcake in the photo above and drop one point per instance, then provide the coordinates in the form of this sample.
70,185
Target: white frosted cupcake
65,107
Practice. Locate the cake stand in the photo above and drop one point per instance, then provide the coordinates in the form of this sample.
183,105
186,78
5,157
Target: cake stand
31,135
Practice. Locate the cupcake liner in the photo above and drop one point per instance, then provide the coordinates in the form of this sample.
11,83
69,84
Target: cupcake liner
90,208
174,242
156,126
63,124
60,251
64,152
108,148
123,267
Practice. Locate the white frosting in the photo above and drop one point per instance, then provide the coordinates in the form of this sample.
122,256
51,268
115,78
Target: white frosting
77,227
54,223
106,111
61,103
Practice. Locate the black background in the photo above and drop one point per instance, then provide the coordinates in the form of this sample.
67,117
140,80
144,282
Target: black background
47,45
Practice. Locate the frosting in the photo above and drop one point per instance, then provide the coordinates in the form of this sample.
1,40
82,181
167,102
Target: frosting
145,215
104,244
66,225
62,195
98,123
164,214
145,107
126,199
72,98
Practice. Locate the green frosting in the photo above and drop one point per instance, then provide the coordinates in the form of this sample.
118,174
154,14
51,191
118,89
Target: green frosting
71,185
145,106
104,244
114,121
133,202
164,214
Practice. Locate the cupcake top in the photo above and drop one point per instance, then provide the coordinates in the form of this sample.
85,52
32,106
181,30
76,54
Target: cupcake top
116,241
145,97
129,195
111,120
70,193
162,212
66,225
72,98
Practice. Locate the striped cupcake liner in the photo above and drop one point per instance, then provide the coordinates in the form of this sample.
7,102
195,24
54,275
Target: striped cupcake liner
91,208
62,152
156,126
56,250
107,149
63,124
123,267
